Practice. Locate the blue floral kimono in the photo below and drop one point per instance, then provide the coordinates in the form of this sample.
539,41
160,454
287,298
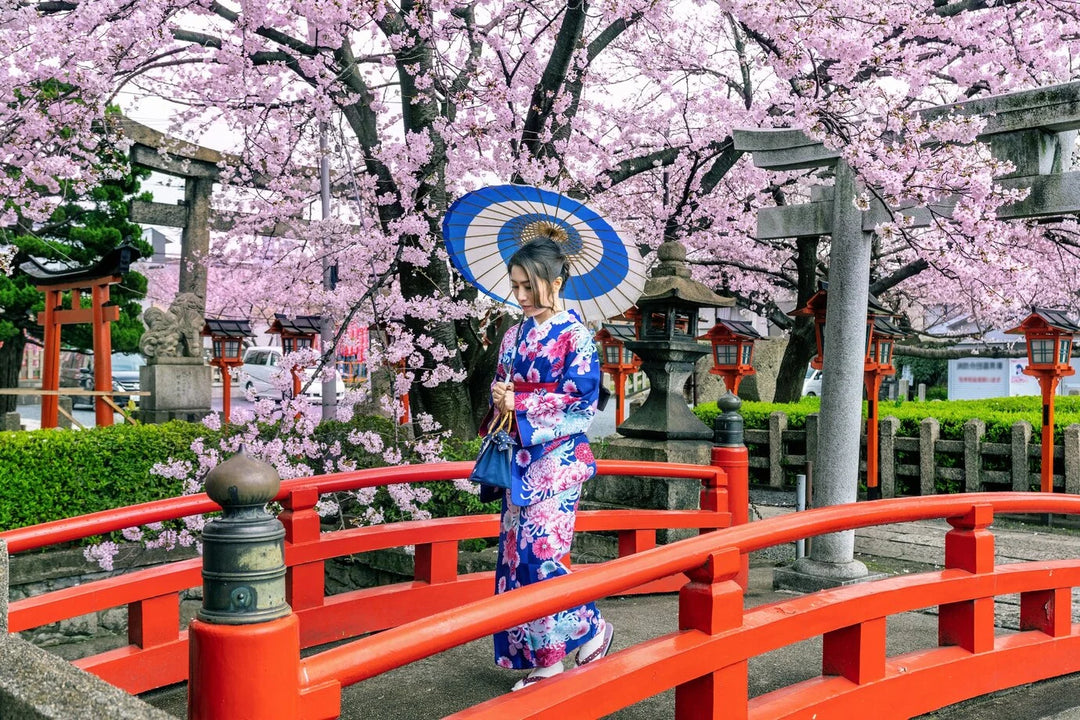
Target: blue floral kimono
557,365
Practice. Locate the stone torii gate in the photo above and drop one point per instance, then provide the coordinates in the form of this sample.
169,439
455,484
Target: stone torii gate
1035,130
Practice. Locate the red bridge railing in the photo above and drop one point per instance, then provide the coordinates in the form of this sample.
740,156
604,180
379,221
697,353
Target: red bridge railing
157,651
706,661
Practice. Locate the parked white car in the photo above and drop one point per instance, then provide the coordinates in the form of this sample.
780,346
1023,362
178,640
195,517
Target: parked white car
811,386
262,365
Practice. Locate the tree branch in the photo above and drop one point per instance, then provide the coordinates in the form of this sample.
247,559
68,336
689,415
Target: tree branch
889,281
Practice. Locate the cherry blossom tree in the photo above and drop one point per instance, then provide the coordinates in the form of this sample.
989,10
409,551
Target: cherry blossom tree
629,104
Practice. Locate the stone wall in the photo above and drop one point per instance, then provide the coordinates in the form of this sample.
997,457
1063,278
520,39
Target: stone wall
38,685
33,574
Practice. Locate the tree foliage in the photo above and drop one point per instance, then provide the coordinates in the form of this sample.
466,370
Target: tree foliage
629,104
86,221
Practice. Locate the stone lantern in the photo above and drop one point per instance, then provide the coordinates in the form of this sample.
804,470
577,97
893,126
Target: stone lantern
668,348
663,428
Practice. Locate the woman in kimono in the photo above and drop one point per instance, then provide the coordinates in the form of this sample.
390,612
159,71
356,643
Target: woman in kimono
552,375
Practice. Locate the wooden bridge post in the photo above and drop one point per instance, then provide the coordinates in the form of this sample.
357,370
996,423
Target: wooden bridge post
969,546
304,584
713,602
244,646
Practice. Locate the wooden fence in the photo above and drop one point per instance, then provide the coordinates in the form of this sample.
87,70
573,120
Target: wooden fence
922,465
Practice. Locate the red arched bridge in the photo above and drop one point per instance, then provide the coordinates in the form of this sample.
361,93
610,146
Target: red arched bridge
705,660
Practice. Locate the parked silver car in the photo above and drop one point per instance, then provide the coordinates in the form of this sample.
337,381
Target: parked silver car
262,365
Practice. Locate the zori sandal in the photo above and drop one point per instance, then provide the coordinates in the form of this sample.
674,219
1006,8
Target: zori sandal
609,635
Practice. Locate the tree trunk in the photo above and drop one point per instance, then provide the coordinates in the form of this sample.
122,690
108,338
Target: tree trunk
802,345
11,354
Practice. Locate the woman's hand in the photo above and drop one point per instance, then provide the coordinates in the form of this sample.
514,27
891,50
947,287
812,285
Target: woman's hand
502,396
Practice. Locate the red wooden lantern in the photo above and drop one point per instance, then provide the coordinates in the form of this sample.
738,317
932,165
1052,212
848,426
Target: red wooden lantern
733,351
227,340
618,361
297,333
815,308
1049,336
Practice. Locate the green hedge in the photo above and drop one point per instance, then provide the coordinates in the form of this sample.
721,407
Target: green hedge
52,474
999,414
49,475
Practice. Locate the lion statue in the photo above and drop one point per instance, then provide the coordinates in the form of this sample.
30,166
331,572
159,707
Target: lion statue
175,332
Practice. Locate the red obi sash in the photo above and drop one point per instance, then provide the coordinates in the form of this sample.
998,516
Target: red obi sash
519,386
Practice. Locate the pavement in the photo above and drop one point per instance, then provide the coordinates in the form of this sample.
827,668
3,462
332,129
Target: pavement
464,676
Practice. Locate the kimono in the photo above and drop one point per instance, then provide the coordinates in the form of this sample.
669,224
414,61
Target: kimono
556,363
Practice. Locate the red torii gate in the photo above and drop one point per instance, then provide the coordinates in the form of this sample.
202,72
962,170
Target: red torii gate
96,279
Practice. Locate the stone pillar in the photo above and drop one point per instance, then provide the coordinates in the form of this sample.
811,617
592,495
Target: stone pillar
836,473
179,387
778,423
65,404
887,476
929,432
1021,438
12,421
1072,459
195,239
974,430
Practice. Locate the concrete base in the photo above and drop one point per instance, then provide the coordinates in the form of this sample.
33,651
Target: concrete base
807,576
652,492
179,388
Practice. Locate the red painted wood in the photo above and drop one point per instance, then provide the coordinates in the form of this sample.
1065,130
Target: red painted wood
304,584
154,621
104,594
856,652
1049,611
711,603
735,462
244,672
706,659
137,670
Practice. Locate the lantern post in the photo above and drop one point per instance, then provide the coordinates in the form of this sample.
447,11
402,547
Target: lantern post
297,333
227,341
618,361
732,350
877,362
1049,335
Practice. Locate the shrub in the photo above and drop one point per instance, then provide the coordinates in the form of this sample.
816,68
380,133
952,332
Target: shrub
53,474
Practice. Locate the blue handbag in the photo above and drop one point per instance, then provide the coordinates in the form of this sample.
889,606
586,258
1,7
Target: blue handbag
496,454
492,468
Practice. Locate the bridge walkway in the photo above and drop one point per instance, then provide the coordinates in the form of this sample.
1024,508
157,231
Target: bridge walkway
464,676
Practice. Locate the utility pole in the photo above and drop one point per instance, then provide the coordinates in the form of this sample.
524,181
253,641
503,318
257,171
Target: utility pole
326,335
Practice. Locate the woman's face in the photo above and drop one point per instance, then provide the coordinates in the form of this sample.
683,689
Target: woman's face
535,302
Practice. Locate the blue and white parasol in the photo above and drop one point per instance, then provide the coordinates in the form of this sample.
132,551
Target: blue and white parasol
482,229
